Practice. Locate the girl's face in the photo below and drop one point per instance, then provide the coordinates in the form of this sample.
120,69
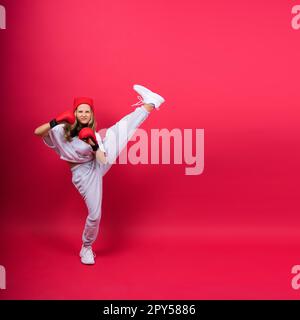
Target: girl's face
83,113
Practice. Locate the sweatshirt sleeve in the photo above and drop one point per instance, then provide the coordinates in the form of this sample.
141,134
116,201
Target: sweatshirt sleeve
99,140
55,136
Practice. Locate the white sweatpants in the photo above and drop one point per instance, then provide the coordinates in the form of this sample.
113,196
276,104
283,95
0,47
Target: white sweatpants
87,177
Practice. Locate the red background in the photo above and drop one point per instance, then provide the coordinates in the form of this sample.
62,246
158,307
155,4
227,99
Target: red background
229,67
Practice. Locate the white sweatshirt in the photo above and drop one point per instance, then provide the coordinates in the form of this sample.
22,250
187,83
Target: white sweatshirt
76,150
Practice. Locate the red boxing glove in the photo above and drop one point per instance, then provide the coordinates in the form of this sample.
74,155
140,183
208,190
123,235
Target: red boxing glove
67,116
87,133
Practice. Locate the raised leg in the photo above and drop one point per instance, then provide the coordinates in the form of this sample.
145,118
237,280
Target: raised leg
119,134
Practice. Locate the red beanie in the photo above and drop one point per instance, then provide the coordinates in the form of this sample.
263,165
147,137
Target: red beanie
80,100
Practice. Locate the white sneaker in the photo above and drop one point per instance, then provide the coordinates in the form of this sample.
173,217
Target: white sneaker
87,255
147,96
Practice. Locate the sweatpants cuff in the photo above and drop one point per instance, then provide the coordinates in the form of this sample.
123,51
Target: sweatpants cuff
144,109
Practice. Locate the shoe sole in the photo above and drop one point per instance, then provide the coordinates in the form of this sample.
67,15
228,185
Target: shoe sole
84,262
138,88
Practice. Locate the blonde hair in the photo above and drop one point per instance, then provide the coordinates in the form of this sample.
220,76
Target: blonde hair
72,130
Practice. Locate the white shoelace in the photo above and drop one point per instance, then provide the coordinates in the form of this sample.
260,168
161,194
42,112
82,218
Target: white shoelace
139,103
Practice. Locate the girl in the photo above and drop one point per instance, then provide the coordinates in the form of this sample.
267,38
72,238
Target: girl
72,136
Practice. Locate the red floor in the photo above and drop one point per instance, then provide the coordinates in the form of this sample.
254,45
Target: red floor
207,262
